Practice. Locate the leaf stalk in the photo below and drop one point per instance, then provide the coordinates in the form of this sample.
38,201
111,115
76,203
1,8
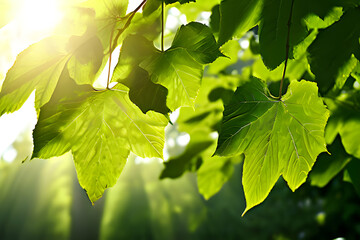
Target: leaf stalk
287,48
162,24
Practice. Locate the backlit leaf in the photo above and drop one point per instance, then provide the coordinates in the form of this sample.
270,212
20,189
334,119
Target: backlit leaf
277,137
100,128
179,68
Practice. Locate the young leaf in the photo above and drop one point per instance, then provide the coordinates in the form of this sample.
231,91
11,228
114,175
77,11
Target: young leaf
38,67
100,128
277,137
331,54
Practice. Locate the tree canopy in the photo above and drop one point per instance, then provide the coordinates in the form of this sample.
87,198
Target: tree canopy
267,83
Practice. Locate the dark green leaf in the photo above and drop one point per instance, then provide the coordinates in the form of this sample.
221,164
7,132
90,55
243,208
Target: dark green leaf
238,16
275,26
180,1
189,160
144,93
345,120
331,54
352,170
328,166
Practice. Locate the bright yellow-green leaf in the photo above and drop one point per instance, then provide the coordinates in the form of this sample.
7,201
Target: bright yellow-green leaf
100,128
278,137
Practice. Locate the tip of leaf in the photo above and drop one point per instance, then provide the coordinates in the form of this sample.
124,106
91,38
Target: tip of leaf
245,211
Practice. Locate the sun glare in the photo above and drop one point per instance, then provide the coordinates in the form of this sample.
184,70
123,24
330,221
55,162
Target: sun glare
39,15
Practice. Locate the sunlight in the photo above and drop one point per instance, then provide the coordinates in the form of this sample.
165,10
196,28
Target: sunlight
39,15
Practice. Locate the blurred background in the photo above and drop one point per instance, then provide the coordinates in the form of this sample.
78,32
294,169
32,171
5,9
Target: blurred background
42,199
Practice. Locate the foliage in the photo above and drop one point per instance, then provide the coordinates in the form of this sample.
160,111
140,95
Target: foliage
299,45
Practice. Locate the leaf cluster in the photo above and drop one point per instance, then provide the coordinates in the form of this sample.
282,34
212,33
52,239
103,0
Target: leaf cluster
305,52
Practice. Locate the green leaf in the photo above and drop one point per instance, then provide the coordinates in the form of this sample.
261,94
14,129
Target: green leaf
201,123
328,166
294,70
179,68
277,137
199,42
144,93
87,58
180,1
100,128
274,27
352,173
331,54
214,173
238,16
38,67
215,18
190,160
230,49
176,70
345,120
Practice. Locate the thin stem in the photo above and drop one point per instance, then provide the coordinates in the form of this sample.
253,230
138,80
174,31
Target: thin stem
110,53
162,24
113,43
287,49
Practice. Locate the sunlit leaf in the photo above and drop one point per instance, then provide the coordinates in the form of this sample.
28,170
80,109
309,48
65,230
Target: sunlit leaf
214,172
277,137
199,42
179,68
179,73
38,67
100,128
